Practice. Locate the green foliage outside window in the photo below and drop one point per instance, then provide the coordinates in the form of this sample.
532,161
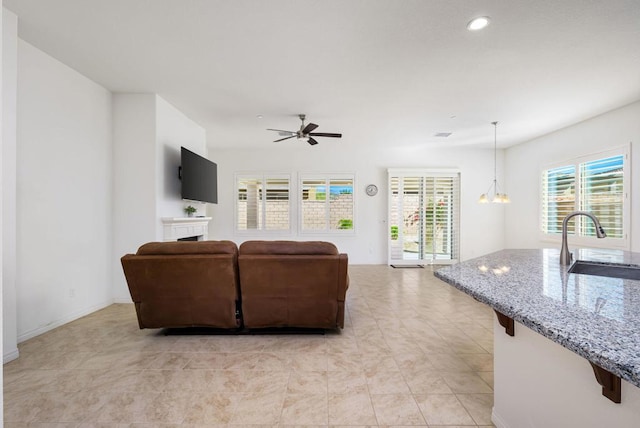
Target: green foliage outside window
394,233
345,224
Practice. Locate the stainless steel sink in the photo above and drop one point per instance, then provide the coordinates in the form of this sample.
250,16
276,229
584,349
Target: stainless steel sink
611,270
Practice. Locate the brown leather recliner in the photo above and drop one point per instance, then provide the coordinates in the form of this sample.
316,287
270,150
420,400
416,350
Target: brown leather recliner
184,284
292,284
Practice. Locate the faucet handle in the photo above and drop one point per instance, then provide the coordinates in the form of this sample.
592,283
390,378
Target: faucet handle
602,233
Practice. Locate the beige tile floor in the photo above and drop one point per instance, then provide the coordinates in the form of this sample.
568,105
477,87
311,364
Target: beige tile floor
414,352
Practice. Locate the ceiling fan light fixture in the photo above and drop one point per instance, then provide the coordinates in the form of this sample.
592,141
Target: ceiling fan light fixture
478,23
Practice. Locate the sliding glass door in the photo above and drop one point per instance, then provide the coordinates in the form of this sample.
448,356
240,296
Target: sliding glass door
423,216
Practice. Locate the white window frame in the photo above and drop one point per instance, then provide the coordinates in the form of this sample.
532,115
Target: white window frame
328,177
592,241
265,176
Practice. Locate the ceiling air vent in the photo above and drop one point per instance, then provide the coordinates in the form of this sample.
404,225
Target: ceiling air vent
442,134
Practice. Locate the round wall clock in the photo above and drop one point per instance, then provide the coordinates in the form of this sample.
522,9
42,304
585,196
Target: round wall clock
372,189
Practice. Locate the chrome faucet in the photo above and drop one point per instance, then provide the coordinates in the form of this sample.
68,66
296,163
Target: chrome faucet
565,255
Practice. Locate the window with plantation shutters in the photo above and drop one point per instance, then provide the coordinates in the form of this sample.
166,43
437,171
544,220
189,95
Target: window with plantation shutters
262,202
441,216
423,216
602,193
558,197
326,203
596,184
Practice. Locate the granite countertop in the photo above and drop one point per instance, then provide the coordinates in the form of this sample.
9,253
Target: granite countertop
596,317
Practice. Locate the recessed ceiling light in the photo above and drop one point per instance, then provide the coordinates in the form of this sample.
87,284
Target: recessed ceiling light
478,23
259,116
442,134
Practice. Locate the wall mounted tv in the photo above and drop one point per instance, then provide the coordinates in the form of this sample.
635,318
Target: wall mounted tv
199,177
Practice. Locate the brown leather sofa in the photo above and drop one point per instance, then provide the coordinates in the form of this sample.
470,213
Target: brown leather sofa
292,284
213,284
184,284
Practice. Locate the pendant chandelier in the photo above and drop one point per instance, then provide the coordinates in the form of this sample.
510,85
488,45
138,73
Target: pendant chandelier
493,194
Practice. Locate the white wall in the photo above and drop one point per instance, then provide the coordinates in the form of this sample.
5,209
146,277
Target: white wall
173,130
1,217
9,94
147,135
134,171
525,161
64,194
481,225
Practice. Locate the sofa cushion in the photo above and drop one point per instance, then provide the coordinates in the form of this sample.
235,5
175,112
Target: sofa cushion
288,248
292,284
187,247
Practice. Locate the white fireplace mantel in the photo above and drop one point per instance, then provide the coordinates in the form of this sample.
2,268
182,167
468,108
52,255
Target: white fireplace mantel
175,228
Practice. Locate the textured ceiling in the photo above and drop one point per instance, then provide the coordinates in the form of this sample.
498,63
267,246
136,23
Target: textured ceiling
382,72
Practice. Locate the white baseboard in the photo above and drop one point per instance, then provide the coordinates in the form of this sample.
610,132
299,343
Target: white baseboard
10,356
57,323
122,300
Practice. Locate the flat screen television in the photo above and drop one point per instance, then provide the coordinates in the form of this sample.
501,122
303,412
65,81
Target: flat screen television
199,177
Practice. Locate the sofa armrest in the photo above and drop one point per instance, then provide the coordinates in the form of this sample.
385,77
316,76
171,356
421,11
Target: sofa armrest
343,284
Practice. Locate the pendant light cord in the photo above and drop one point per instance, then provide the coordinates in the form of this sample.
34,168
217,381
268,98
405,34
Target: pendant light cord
498,197
495,157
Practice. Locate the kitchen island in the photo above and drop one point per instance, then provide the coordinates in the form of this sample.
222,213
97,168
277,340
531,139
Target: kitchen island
574,338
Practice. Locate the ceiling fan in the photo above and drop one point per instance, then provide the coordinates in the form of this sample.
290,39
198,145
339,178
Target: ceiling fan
304,132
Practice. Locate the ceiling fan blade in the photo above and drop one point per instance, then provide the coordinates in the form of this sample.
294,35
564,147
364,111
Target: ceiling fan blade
312,141
285,138
325,134
281,130
310,127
